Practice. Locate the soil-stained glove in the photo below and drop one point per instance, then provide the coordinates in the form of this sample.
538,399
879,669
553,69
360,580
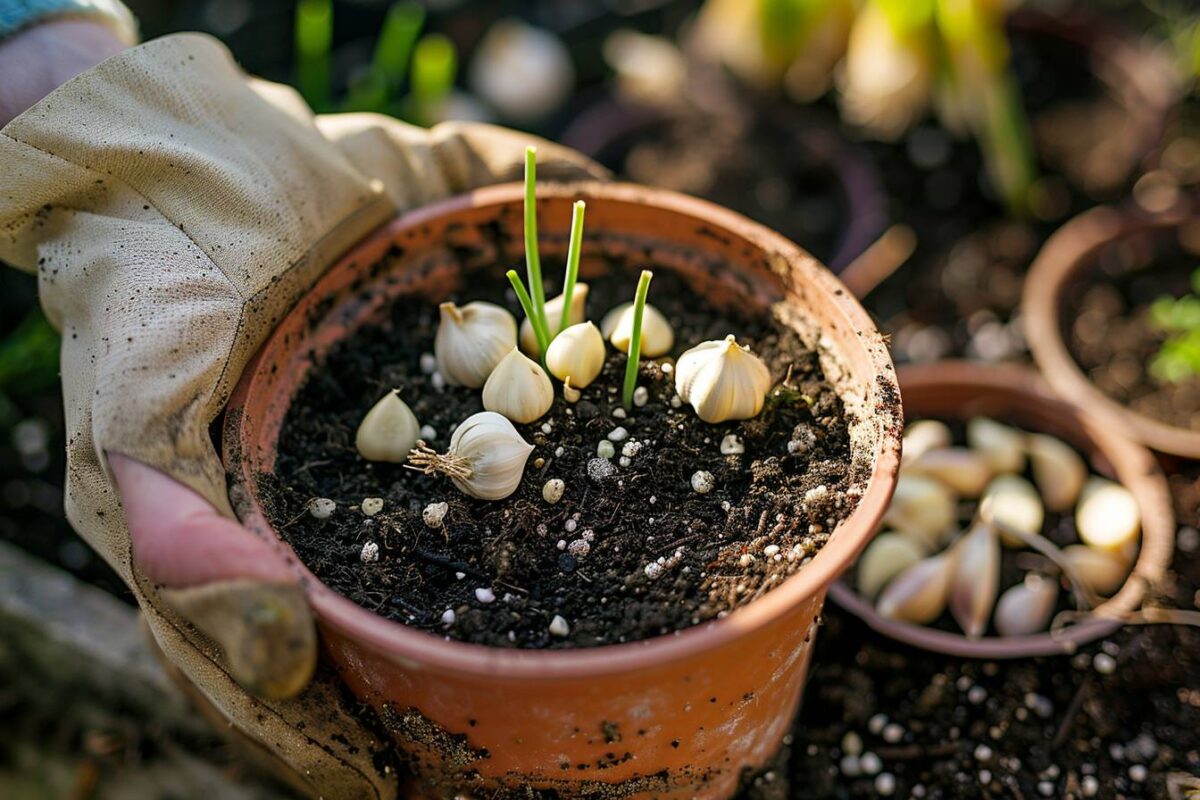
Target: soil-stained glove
174,210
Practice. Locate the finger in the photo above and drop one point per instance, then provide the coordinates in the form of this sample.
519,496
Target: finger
234,587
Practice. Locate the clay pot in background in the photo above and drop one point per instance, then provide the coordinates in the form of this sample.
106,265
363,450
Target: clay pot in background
959,390
1067,256
675,716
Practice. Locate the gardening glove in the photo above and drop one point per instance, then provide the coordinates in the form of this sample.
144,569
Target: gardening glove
174,210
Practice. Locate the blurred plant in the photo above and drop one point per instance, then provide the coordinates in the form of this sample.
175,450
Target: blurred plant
427,64
1179,318
29,356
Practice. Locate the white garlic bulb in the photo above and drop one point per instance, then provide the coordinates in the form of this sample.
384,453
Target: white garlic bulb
887,556
1107,516
554,313
518,389
486,458
576,354
471,341
1101,572
1027,607
1058,471
918,594
1012,504
976,579
388,431
964,471
1001,445
922,436
722,381
657,335
922,509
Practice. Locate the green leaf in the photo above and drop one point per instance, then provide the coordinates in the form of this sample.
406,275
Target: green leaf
314,40
397,39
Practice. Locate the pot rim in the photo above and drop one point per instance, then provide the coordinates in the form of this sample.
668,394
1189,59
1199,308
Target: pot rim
1066,255
415,646
1139,472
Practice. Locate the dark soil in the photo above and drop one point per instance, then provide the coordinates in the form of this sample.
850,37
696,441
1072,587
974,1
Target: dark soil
586,557
1108,330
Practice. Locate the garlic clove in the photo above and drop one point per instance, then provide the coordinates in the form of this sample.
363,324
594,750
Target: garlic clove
576,353
570,393
922,508
1058,471
1001,445
1012,504
976,579
1026,608
518,389
486,458
722,381
1107,516
918,594
922,436
471,340
658,337
388,431
554,312
1102,572
965,471
887,556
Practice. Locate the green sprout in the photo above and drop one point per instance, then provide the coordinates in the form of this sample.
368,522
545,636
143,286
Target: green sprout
573,253
1178,359
314,40
526,302
635,339
533,261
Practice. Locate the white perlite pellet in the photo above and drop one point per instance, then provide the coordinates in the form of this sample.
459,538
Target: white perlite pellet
428,433
552,490
605,449
485,595
371,505
640,396
653,570
618,434
434,514
428,363
703,482
732,445
559,627
321,507
449,617
370,553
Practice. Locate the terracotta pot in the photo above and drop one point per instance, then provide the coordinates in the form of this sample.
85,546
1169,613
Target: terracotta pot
1066,256
961,389
674,716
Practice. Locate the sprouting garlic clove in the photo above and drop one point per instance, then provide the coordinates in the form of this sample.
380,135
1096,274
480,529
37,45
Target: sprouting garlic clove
577,353
923,509
554,313
1102,572
1026,608
976,579
918,594
388,431
965,471
471,340
1012,504
887,556
922,436
1003,446
518,389
722,381
570,393
658,337
1107,516
1058,471
486,458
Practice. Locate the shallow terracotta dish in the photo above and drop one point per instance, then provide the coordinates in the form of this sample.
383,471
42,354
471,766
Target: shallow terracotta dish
1017,395
674,716
1069,253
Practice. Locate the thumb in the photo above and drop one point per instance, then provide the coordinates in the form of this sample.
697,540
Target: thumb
234,587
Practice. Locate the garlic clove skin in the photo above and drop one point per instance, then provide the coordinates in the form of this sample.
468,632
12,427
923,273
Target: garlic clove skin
1026,608
554,312
471,340
1001,445
486,458
658,337
722,381
1058,471
964,471
388,431
1101,571
887,556
577,353
976,579
1107,517
1012,504
518,389
918,594
923,509
922,436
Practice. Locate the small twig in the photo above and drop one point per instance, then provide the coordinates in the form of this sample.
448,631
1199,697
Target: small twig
1071,712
